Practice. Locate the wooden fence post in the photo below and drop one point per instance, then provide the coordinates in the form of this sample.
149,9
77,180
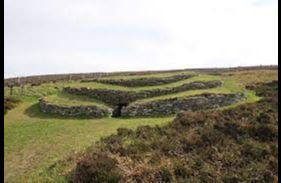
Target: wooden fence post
22,88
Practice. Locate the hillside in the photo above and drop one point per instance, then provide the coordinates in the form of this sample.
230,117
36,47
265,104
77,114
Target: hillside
55,122
234,145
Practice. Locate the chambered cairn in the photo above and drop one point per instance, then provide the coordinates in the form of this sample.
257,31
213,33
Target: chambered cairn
143,96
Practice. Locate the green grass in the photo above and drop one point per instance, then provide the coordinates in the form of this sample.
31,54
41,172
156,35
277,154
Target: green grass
96,85
66,99
37,91
33,140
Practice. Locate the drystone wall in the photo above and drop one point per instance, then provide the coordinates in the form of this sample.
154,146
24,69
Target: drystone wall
184,87
151,81
73,111
113,97
116,97
176,105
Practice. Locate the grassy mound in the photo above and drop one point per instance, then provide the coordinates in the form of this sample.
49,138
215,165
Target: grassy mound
229,86
233,145
116,95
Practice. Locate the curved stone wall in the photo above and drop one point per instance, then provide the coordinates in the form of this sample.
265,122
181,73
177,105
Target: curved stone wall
73,111
153,108
115,97
175,105
149,81
196,85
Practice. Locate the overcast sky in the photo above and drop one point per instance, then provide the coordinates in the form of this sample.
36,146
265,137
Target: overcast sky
63,36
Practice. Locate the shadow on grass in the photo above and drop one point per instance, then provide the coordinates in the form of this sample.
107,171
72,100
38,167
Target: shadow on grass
34,112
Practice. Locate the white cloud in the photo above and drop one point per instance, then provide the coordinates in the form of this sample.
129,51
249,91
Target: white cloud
52,36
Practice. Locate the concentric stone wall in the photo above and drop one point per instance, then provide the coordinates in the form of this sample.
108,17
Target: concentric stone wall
175,105
73,111
116,97
148,81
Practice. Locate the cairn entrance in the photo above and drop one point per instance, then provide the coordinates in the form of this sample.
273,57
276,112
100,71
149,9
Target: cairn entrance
117,109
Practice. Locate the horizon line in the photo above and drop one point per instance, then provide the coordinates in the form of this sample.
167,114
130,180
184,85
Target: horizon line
132,71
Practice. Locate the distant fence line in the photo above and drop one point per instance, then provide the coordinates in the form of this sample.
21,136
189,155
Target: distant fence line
39,79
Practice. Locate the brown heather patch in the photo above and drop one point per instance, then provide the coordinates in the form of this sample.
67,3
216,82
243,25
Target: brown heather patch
252,76
233,145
